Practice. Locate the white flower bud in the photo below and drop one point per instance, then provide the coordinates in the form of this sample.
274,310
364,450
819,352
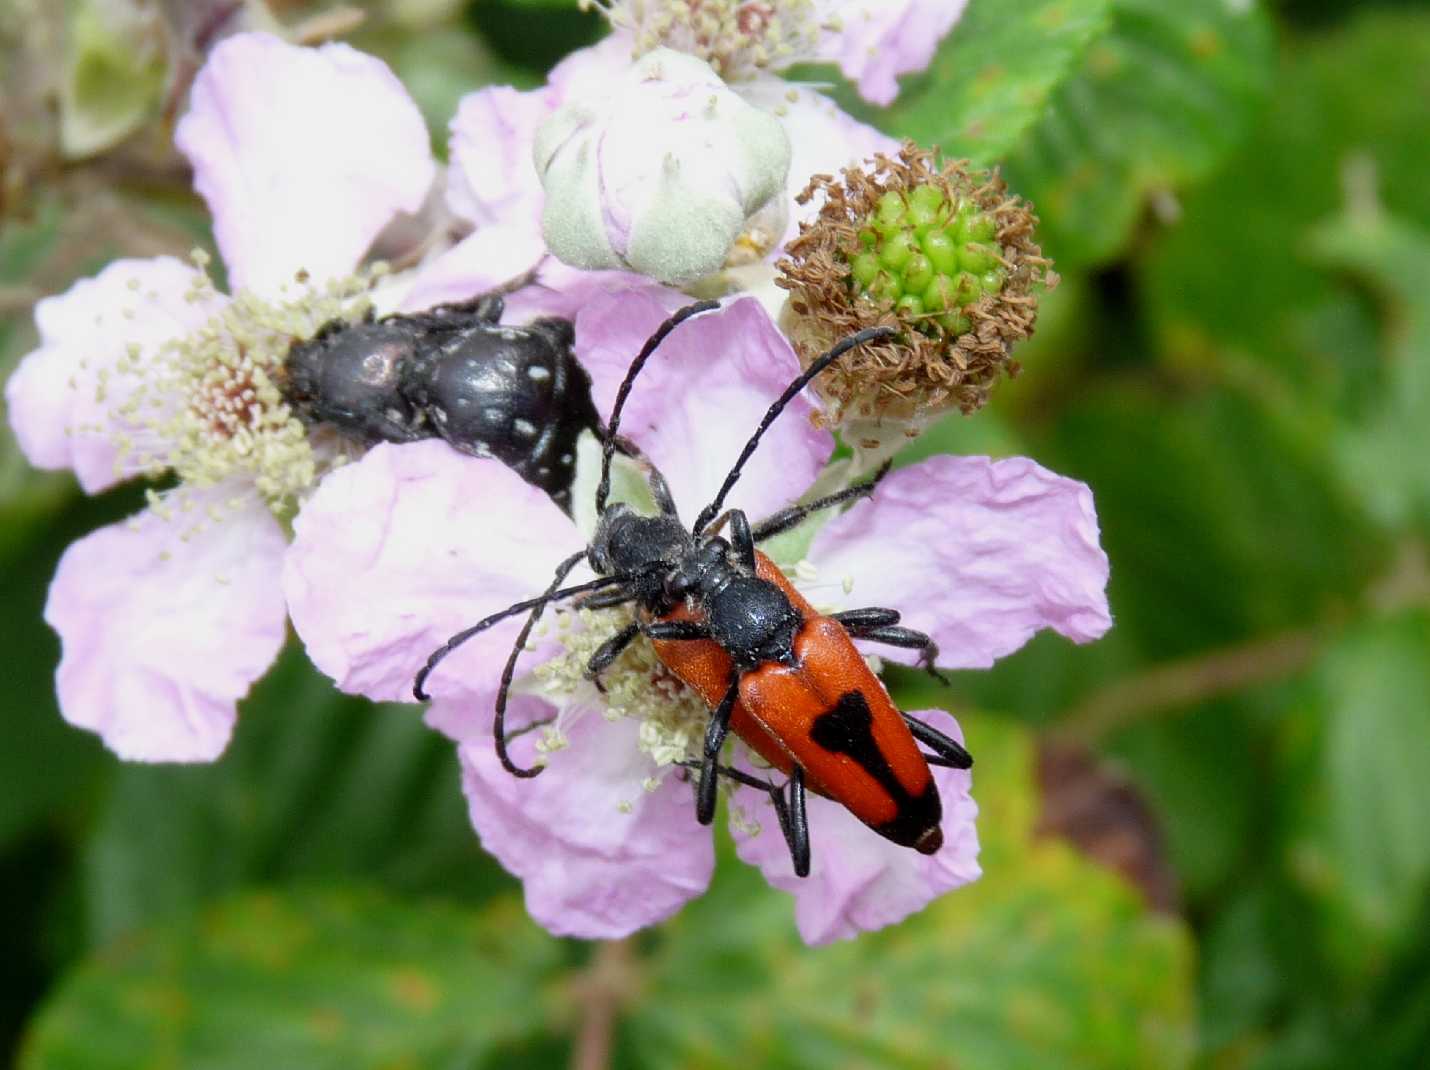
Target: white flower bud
661,175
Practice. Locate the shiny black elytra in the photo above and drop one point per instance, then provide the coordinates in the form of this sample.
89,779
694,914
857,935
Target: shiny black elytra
490,390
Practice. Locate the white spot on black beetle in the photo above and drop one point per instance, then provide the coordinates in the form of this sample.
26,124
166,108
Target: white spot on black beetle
524,428
537,374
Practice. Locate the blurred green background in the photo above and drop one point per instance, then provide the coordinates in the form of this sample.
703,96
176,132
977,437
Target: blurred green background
1205,837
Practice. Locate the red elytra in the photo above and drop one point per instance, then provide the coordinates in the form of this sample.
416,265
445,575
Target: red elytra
780,710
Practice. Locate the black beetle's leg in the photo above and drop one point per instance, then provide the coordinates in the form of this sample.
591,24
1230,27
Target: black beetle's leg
796,825
741,539
659,488
677,629
454,315
607,599
610,650
777,523
793,818
858,621
731,773
949,752
869,334
387,429
880,626
715,733
485,307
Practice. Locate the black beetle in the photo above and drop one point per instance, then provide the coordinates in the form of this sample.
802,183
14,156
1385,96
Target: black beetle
490,390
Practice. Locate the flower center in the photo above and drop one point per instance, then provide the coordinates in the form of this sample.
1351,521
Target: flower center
207,405
672,717
738,38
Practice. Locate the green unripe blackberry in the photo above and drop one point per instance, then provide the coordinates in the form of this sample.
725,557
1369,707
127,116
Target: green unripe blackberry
937,250
919,252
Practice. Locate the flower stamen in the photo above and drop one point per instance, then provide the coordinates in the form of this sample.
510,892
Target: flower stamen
208,405
739,38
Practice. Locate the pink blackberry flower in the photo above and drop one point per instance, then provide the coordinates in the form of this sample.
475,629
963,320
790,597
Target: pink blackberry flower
303,156
979,554
496,130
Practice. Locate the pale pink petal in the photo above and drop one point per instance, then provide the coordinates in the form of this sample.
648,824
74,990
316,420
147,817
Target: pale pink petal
401,549
562,290
487,259
63,399
823,138
492,180
980,554
303,155
878,40
588,72
702,395
598,855
858,880
164,627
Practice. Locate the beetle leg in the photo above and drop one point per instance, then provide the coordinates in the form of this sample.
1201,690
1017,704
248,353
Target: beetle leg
677,629
741,539
389,430
782,521
946,751
618,596
791,812
858,621
795,823
878,626
610,650
715,733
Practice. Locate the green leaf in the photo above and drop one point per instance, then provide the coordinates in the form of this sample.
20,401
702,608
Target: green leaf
1386,453
1197,527
1048,960
27,497
315,786
47,768
115,72
1361,778
992,77
312,978
1158,103
1234,287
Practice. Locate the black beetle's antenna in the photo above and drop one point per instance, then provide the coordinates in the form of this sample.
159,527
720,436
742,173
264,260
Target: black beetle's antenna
869,334
608,447
440,654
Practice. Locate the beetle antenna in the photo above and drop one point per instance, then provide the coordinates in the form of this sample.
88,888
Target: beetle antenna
608,447
509,670
551,595
844,345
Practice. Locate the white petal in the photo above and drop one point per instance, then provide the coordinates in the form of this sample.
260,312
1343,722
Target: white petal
303,155
701,397
63,399
599,856
492,180
979,554
163,630
399,550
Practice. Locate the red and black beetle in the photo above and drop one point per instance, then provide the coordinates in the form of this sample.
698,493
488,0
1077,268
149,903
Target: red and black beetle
724,619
